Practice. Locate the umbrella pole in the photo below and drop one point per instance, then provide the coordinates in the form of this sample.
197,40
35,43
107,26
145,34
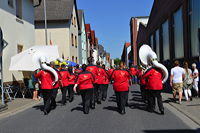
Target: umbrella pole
45,20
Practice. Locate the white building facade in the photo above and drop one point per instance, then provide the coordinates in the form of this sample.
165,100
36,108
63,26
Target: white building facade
17,24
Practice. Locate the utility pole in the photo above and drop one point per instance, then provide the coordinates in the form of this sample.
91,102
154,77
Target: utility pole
45,21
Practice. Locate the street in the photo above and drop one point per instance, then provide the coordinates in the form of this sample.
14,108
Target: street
104,119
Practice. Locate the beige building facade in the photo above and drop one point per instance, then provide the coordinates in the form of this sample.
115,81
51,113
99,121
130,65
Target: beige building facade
62,31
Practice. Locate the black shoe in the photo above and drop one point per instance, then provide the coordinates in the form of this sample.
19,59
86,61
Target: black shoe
92,107
98,102
162,112
122,112
53,107
71,100
45,112
103,99
190,98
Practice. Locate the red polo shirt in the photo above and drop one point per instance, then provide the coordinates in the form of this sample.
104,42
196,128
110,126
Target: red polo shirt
46,79
85,80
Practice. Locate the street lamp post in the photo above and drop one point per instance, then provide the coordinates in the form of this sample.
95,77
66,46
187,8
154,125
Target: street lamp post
45,20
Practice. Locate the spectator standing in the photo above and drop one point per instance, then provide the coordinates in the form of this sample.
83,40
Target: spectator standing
195,75
187,83
176,80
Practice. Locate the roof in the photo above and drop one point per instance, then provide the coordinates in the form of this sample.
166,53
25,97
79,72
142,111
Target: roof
80,16
127,44
56,10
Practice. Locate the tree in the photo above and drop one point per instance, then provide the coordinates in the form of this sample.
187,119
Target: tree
116,61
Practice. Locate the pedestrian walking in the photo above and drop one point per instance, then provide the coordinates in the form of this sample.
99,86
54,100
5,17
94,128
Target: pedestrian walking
154,86
122,80
142,83
195,75
56,66
105,83
187,83
94,70
64,82
176,80
85,82
71,79
77,70
46,87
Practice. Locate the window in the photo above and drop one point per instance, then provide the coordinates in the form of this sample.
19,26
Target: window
76,59
76,42
19,9
19,48
195,27
157,44
178,34
75,21
73,58
10,3
165,34
72,38
151,41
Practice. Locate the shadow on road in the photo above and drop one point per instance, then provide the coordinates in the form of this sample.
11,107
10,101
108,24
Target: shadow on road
77,109
173,131
39,107
111,108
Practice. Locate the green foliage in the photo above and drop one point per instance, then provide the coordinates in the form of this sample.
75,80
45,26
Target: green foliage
117,61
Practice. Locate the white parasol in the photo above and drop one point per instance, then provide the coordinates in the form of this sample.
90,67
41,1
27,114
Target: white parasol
29,60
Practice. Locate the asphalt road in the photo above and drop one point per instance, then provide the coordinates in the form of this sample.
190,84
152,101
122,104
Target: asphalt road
104,119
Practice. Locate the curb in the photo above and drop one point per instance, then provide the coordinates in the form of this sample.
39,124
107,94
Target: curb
188,115
19,109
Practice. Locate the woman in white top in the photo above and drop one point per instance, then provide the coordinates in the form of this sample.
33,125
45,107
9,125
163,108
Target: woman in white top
195,75
187,83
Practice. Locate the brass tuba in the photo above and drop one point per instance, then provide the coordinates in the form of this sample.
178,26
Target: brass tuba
148,59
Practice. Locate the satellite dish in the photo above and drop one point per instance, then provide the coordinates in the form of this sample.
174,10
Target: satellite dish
144,53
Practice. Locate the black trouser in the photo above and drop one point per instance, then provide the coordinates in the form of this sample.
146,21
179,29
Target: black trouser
71,93
104,91
53,98
47,96
87,99
153,94
142,89
94,95
64,91
99,92
122,98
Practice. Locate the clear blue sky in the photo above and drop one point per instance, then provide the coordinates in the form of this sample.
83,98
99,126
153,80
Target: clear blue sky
110,19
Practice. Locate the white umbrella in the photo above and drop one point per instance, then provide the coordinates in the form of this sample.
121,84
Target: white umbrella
29,60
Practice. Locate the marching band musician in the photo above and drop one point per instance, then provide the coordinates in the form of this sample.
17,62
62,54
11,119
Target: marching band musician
94,70
85,82
154,85
71,79
105,84
143,88
46,86
122,79
64,84
56,66
77,70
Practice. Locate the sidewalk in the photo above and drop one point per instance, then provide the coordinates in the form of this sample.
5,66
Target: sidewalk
191,108
18,105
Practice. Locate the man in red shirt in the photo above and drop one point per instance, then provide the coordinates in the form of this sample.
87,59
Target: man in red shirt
154,85
122,80
94,70
46,86
85,82
143,88
64,82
